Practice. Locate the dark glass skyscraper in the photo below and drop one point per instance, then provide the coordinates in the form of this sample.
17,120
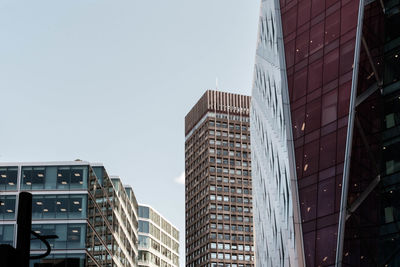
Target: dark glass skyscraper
219,227
325,116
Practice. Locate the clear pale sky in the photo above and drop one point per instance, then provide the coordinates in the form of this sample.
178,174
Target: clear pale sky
111,81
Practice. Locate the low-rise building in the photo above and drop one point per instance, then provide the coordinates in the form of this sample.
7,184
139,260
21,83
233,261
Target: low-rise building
158,239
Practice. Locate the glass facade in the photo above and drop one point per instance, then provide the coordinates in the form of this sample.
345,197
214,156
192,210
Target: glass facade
6,234
335,64
7,207
71,206
67,260
54,177
8,178
95,218
371,235
319,41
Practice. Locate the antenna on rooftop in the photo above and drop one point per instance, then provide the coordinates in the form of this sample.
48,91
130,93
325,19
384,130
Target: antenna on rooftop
216,83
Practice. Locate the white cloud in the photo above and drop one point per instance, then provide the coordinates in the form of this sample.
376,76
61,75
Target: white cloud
180,179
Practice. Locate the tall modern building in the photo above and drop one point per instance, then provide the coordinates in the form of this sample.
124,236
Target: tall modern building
325,133
158,239
93,214
219,223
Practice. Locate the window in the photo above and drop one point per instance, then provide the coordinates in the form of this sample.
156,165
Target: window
6,234
59,206
53,177
69,236
8,178
144,227
7,207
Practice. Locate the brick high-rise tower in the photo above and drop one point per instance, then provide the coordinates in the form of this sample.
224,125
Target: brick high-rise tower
219,228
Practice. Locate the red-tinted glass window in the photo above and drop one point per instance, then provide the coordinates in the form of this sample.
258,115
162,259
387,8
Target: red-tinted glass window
289,53
313,115
326,246
341,144
349,16
331,64
289,21
315,75
308,206
326,197
309,248
318,7
332,27
304,12
347,56
299,161
300,84
329,107
327,157
344,99
310,158
298,122
317,37
302,44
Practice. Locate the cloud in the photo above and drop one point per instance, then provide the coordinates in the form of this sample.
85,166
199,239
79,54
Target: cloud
180,179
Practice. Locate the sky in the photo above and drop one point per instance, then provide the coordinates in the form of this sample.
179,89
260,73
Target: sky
111,81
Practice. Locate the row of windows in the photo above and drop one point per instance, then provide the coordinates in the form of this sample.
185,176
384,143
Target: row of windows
230,144
232,126
233,117
229,246
220,188
232,162
195,240
230,199
148,242
196,192
230,171
146,258
228,256
59,206
146,212
233,218
232,237
213,264
230,135
69,236
230,153
198,211
199,171
232,227
220,179
230,208
198,228
53,177
221,256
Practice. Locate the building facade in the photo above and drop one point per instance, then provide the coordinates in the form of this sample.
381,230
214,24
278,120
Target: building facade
93,214
325,133
158,240
219,223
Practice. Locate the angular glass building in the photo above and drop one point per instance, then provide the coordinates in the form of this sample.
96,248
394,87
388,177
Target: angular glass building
158,239
325,133
93,214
